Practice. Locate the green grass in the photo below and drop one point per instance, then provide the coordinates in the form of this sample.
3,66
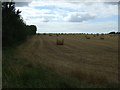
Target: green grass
19,72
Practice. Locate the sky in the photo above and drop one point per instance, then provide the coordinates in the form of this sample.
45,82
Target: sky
63,16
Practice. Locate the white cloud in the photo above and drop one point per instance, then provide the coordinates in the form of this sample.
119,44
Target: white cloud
62,0
33,14
100,9
79,17
45,10
46,19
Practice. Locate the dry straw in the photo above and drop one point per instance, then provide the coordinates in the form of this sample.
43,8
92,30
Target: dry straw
60,41
90,76
87,37
102,38
94,35
50,34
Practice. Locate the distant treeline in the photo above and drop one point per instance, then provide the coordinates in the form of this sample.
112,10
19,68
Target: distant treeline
114,33
13,27
77,33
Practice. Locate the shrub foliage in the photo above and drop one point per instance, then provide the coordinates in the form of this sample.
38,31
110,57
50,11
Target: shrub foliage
13,27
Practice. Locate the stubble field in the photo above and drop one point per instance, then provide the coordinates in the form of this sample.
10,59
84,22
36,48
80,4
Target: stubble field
92,59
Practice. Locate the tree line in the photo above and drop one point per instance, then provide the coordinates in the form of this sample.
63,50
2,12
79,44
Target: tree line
114,33
14,29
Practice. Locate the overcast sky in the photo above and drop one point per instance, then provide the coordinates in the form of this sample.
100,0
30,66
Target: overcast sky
66,16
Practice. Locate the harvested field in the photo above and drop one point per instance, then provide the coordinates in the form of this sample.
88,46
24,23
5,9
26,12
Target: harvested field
94,60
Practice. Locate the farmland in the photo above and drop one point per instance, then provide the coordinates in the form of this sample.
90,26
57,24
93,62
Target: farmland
82,57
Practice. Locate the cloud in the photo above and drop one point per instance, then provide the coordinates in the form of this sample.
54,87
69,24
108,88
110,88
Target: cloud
112,3
21,4
32,13
63,0
47,15
65,11
101,9
79,17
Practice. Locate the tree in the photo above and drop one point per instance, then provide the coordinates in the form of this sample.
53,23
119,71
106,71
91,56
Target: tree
31,29
112,33
117,32
13,26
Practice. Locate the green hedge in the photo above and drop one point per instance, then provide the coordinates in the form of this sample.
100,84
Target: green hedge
13,27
